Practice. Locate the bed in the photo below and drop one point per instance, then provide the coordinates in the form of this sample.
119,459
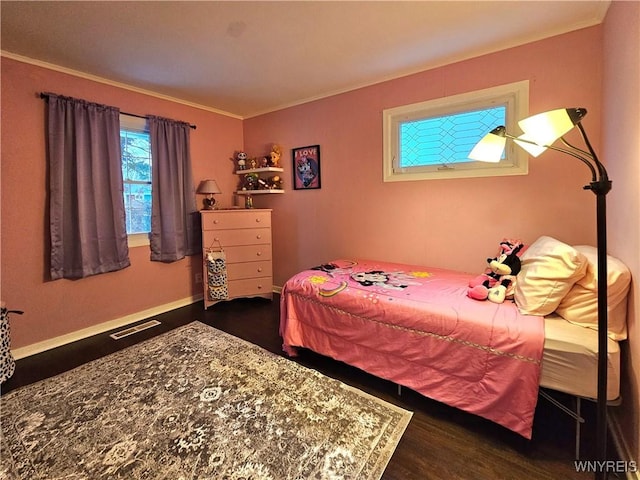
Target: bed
416,326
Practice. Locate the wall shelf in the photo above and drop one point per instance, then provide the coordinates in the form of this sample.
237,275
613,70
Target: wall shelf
259,170
258,192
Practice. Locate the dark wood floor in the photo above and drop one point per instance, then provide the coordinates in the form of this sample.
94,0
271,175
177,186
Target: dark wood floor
440,442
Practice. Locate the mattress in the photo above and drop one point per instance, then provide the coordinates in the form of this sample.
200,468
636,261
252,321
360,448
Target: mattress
570,360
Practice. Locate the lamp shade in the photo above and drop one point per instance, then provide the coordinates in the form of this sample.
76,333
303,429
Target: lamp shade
491,147
525,141
545,128
208,187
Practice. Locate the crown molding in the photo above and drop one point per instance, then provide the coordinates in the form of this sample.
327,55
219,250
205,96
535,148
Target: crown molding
95,78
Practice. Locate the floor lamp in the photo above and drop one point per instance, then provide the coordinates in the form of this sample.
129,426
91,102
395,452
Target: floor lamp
540,132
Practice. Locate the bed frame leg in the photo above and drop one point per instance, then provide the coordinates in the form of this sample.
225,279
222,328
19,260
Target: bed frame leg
579,420
575,415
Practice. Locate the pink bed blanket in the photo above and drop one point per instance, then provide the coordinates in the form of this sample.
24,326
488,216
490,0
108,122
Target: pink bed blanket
416,326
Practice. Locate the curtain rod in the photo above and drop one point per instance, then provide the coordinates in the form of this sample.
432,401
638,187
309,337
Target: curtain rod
46,95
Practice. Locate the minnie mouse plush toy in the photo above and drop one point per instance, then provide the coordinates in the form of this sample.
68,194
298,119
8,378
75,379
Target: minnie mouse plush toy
498,283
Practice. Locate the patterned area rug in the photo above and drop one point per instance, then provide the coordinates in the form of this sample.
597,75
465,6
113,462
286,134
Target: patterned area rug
196,403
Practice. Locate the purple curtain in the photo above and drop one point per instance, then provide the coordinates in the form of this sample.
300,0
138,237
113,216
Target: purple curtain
175,231
86,204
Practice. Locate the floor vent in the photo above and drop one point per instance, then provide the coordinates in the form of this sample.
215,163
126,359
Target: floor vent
130,331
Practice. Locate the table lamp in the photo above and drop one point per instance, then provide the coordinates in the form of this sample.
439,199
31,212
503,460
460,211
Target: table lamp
209,188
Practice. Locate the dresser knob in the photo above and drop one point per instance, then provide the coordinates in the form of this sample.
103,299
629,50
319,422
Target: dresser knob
259,254
259,287
258,220
216,222
259,269
216,239
258,237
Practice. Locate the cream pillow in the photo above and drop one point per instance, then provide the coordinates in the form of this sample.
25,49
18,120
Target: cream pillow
580,305
549,269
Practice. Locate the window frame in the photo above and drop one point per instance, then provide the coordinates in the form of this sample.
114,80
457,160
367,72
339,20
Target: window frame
515,97
135,124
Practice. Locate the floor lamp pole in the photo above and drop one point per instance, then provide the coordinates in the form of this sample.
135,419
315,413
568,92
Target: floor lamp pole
601,185
600,189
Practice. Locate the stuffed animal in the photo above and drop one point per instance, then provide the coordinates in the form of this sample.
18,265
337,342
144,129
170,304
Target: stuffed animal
250,181
498,283
275,182
241,158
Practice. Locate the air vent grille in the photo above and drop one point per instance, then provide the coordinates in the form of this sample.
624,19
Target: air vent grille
130,331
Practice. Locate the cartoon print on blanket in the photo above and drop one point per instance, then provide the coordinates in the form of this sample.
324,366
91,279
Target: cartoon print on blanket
330,269
380,278
372,278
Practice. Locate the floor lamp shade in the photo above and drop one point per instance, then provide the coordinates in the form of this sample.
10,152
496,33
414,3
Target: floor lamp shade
491,147
545,128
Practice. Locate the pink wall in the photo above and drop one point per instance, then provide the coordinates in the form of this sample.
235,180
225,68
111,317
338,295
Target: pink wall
452,223
57,308
621,142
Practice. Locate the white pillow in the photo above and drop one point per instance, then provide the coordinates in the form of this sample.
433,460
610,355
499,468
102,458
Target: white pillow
580,305
549,269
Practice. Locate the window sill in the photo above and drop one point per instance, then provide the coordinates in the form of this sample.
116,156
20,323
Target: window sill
138,240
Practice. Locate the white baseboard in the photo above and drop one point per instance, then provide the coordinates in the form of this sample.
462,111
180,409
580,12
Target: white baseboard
622,448
39,347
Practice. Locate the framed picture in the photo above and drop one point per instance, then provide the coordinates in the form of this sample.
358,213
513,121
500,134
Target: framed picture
306,167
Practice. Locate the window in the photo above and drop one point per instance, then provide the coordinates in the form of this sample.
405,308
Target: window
135,145
432,139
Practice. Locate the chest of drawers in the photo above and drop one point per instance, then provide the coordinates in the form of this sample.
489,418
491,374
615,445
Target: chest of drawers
245,237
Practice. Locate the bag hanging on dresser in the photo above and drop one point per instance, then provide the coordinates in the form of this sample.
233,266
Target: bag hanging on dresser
216,261
7,362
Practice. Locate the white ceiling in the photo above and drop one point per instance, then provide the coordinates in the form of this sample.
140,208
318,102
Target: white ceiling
245,58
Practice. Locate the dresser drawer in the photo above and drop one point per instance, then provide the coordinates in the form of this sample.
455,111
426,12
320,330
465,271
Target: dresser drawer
249,270
251,286
243,236
248,253
235,219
